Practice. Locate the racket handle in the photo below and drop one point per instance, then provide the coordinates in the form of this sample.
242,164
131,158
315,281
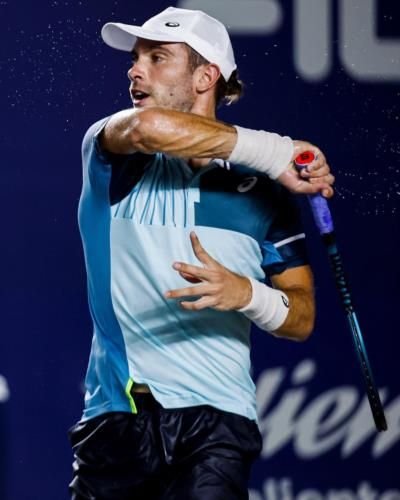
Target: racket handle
338,271
319,205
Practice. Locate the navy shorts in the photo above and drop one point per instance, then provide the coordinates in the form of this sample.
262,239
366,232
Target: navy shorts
195,453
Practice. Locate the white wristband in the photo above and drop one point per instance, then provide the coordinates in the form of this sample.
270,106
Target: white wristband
268,308
264,151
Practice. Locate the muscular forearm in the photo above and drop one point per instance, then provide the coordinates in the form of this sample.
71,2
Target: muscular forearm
176,133
299,322
191,136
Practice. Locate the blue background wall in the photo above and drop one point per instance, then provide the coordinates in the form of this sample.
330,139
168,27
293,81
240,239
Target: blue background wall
342,93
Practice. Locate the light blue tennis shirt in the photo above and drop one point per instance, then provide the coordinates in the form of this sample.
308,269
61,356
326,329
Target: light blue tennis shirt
135,216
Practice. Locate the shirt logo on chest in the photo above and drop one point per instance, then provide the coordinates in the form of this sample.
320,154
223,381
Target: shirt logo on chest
247,184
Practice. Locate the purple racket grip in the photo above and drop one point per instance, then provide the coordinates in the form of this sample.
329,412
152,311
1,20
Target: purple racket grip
319,205
321,213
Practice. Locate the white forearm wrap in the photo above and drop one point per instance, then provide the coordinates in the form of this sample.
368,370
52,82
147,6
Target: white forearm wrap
264,151
268,308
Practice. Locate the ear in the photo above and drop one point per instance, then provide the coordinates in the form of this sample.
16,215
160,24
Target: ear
206,76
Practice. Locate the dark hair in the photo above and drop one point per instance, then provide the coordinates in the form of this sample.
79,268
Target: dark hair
227,92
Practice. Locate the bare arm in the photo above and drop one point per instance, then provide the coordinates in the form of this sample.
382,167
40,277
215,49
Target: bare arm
188,135
176,133
224,290
297,283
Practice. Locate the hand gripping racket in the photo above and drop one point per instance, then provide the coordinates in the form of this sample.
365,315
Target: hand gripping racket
323,220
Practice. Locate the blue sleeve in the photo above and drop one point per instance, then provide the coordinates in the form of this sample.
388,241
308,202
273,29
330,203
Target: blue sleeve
103,169
284,244
91,144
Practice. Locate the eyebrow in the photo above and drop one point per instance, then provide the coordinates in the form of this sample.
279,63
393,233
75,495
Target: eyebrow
153,47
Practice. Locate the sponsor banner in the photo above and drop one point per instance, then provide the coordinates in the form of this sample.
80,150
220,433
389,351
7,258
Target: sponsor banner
320,440
285,489
314,424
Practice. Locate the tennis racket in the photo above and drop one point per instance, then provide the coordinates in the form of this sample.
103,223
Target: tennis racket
323,220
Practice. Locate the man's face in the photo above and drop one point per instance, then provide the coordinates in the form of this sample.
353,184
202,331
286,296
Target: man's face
160,76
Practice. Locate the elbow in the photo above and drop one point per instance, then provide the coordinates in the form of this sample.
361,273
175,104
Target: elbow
304,326
305,330
299,332
304,334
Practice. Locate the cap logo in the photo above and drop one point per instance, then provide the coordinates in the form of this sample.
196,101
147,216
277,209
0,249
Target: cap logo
172,25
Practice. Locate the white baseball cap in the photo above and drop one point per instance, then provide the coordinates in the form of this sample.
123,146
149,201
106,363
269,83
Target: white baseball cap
203,33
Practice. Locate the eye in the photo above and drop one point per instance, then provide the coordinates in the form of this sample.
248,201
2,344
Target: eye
157,58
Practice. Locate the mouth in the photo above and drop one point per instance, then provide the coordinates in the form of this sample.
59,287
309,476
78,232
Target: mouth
139,97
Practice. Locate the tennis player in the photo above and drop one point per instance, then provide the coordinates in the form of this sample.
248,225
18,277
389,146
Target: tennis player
189,235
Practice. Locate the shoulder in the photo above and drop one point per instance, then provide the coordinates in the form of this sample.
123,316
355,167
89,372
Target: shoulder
90,141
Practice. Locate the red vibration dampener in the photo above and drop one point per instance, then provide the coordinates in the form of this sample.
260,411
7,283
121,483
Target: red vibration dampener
304,159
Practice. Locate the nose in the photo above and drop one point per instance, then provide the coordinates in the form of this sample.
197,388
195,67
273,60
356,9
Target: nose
136,70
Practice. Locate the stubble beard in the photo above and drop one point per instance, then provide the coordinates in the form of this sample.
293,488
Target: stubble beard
178,97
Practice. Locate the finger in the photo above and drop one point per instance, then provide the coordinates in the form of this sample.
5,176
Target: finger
198,305
318,163
198,272
199,251
295,184
320,157
290,179
327,179
189,291
189,277
324,189
327,192
320,172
